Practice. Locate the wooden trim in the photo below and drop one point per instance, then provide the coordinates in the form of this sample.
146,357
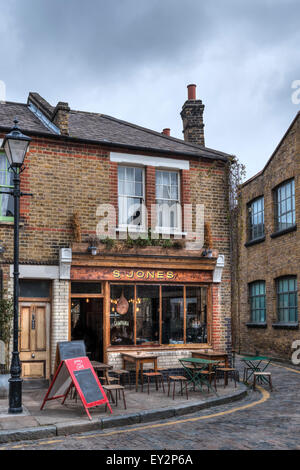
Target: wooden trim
184,314
209,313
106,320
34,299
87,296
160,314
70,313
153,263
134,316
153,347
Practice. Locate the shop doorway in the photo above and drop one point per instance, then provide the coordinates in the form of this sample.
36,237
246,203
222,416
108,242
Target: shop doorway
87,325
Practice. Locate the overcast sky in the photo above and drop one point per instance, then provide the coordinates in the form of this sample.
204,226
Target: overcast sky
132,59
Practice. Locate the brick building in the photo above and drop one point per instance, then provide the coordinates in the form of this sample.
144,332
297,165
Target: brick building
265,296
117,295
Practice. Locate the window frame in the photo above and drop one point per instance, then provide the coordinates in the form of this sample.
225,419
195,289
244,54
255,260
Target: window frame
166,229
5,218
280,318
160,343
277,205
250,224
255,312
133,227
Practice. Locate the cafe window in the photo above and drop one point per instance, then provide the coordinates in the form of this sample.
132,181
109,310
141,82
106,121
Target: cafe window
147,314
131,196
256,219
136,319
168,200
287,310
6,184
172,315
257,296
122,301
285,213
196,315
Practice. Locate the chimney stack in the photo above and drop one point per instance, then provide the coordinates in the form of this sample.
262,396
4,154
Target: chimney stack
192,118
61,117
166,131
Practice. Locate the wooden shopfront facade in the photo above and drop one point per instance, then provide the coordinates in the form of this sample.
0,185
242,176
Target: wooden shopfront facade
129,303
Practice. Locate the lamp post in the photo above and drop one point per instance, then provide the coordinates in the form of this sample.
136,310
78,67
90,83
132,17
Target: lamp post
15,145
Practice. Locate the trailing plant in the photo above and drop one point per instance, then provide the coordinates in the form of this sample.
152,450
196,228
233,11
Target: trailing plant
6,315
108,242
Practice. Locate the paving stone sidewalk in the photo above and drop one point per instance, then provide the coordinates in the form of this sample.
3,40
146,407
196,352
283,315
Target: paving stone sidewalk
270,424
58,419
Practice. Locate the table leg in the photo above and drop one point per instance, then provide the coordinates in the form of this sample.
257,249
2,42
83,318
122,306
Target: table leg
142,372
137,366
155,364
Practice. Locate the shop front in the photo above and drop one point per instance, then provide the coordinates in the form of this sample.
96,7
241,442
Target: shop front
117,308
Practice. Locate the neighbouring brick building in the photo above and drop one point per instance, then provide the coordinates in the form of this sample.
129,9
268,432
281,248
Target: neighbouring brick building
267,268
167,298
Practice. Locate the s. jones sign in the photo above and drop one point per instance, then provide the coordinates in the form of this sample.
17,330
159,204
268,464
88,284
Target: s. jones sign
148,275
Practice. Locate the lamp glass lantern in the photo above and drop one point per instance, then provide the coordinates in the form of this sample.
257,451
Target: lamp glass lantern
15,145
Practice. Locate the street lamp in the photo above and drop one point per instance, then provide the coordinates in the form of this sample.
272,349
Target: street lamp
16,145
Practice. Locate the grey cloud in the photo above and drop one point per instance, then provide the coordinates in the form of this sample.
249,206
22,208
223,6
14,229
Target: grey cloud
133,59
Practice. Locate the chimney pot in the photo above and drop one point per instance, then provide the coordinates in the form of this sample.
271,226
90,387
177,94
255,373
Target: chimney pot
191,91
166,131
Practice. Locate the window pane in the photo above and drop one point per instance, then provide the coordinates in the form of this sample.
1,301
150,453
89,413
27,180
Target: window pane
258,301
256,218
147,314
287,299
172,314
6,182
34,288
86,288
285,206
196,315
121,315
138,174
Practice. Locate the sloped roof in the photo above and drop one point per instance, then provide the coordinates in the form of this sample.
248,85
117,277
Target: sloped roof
100,128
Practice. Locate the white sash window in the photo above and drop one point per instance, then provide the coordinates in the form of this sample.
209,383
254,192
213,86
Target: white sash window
168,201
131,194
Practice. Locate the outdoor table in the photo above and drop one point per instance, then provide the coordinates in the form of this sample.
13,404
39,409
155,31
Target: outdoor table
253,363
139,359
100,366
194,375
214,356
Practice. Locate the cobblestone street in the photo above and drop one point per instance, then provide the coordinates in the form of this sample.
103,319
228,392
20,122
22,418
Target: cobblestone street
262,420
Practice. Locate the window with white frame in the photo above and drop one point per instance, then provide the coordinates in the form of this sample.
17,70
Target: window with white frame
131,194
168,200
6,183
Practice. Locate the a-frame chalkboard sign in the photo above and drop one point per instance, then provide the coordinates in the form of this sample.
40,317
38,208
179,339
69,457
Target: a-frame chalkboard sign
68,350
77,372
